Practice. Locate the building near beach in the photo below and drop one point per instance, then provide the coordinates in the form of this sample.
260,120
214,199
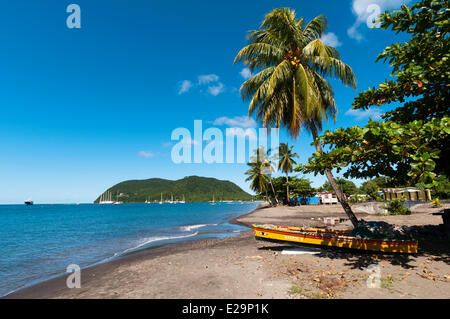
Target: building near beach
408,193
327,198
305,201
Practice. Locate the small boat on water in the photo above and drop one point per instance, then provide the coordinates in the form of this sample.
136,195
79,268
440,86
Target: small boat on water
213,202
332,238
105,199
29,202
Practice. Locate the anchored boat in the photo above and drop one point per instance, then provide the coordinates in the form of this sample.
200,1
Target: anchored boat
332,238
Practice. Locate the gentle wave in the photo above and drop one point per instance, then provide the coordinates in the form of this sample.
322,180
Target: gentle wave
146,242
192,227
158,238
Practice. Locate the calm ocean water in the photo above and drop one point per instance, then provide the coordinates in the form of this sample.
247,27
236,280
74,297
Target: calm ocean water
38,242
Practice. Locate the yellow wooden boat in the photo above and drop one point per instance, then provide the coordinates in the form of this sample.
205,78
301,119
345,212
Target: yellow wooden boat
332,238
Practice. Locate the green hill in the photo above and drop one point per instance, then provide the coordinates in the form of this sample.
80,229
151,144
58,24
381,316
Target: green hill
194,189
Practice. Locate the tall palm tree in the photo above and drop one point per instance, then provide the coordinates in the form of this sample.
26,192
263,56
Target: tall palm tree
259,180
286,163
290,88
266,166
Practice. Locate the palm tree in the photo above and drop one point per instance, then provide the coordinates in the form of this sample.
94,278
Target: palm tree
286,163
259,180
261,165
290,88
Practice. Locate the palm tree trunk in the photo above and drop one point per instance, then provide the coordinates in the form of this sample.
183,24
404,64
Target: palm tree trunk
273,190
339,194
287,188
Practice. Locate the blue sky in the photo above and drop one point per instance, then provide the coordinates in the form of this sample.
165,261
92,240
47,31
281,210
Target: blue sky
83,109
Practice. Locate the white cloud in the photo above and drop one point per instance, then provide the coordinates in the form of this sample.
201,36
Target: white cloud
237,121
146,154
186,85
373,113
216,90
365,12
246,73
208,78
208,81
167,144
331,39
354,33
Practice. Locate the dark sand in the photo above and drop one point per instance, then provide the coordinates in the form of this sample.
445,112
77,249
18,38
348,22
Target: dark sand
241,267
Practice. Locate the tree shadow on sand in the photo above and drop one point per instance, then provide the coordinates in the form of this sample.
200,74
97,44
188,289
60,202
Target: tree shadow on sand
434,244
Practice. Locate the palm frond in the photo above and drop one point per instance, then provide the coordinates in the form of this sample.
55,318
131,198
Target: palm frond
318,48
282,23
334,68
249,87
258,55
315,28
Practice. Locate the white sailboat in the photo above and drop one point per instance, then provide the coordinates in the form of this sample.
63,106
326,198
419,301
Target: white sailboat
105,199
213,202
161,201
182,201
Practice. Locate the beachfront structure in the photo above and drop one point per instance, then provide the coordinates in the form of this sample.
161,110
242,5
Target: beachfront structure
319,199
327,198
305,201
408,193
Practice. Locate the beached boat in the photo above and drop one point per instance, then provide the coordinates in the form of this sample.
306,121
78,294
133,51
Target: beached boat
332,238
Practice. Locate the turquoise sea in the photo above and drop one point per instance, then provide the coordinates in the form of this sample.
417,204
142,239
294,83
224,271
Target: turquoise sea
38,242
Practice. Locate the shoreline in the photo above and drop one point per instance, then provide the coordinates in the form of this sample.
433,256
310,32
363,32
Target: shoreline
241,267
51,287
57,282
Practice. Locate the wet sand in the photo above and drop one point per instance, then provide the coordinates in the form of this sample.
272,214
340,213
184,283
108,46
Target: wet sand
241,267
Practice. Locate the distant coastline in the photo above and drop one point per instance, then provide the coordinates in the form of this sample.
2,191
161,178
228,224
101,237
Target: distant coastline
194,189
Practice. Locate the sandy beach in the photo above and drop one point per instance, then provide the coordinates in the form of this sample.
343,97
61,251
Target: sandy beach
241,267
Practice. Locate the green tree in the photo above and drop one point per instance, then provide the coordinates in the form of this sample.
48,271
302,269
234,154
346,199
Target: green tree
286,163
410,145
370,188
347,187
383,182
301,187
279,185
442,189
290,89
